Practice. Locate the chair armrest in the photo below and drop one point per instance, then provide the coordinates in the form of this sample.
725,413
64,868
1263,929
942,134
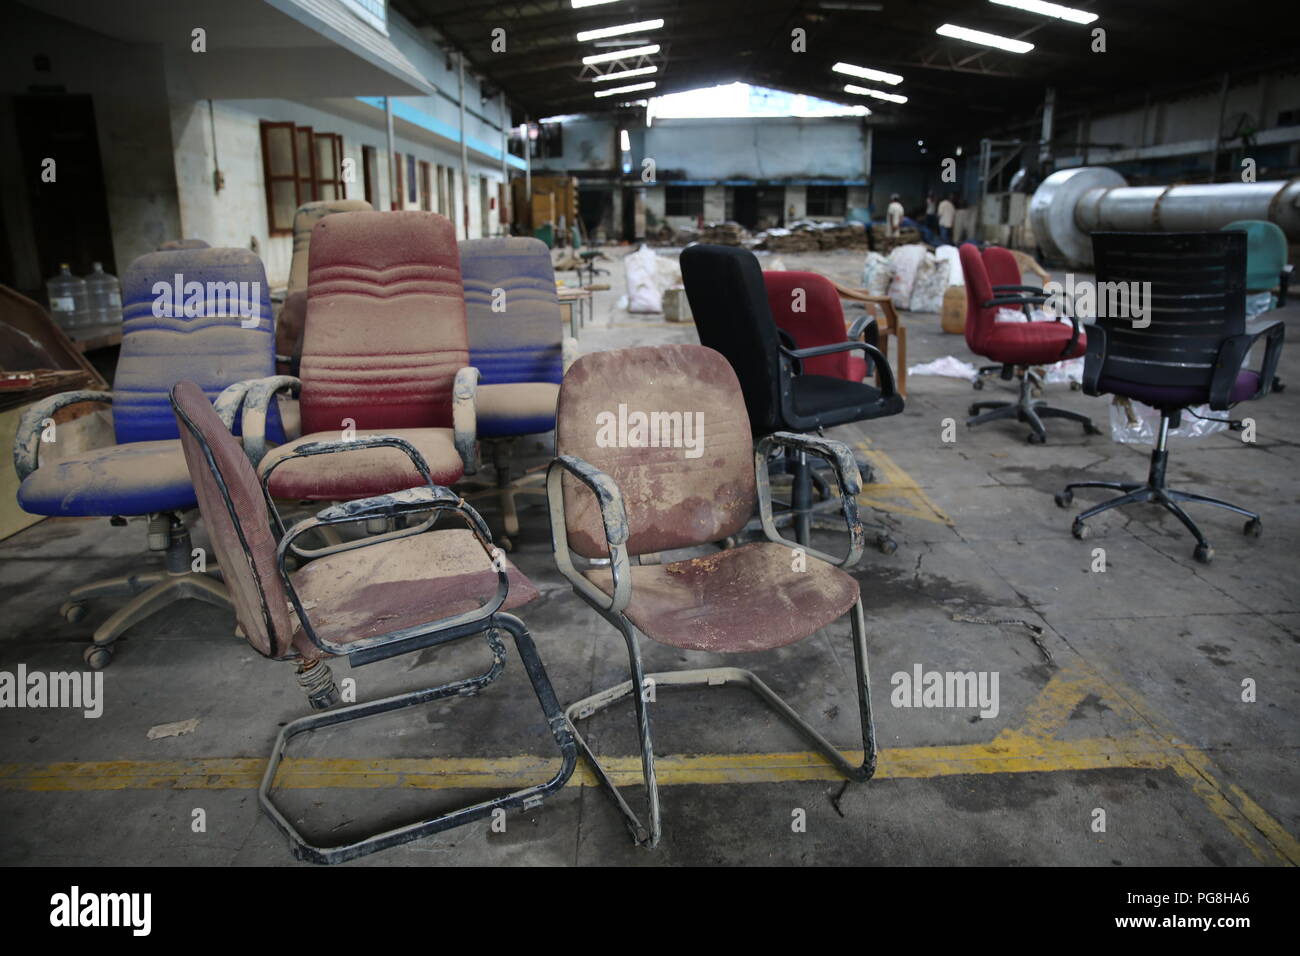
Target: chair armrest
1031,289
258,395
1000,300
440,631
229,402
612,515
1232,355
860,325
1094,359
314,448
27,439
464,417
887,386
847,476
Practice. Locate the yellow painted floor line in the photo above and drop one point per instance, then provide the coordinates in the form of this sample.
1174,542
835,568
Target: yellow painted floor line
1148,743
895,491
440,773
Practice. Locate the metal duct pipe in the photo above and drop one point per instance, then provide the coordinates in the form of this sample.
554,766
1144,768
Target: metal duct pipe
1072,204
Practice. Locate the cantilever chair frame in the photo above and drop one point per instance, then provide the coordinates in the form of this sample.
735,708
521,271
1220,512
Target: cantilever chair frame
614,519
487,620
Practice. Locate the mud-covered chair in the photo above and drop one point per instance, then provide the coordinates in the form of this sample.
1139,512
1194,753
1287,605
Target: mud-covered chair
143,474
517,345
1191,350
619,497
384,352
366,599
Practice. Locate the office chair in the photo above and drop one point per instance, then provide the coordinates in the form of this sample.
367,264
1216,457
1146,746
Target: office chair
384,353
1192,352
1266,265
616,505
516,343
1016,346
143,474
172,245
366,600
729,300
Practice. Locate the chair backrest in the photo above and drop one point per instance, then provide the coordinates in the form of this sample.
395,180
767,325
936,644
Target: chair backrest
385,322
1001,266
1198,298
728,298
1265,252
979,289
806,305
172,245
696,485
515,331
182,318
238,523
304,221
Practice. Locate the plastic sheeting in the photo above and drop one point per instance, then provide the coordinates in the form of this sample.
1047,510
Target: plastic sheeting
1133,423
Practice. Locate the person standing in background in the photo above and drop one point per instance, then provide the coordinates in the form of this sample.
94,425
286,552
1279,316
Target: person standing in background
894,217
947,215
931,220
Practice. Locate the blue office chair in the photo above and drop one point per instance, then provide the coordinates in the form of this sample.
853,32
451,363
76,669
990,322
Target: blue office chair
516,342
144,474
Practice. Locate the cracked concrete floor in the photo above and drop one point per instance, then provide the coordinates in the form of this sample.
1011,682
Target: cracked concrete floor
1129,702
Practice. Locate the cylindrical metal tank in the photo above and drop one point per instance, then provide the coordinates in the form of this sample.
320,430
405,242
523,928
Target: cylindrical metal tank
1072,204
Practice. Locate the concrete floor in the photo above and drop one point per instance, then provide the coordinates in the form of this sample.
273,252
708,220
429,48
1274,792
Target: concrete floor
1129,704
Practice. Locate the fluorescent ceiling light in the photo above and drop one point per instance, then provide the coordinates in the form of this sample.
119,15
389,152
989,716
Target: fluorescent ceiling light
624,141
1049,10
620,30
626,89
887,97
625,74
880,76
984,39
579,4
650,50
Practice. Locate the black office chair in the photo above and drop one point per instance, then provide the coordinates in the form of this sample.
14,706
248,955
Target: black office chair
729,302
1192,352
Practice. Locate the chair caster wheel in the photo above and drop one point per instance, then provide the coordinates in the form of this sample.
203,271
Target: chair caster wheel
885,544
1075,386
505,544
97,656
1080,530
73,611
972,411
1035,439
978,384
1091,429
1064,498
1253,528
1203,553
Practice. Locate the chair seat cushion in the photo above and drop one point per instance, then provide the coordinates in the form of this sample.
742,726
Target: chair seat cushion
1178,396
1031,343
836,400
397,584
742,599
359,474
516,408
137,478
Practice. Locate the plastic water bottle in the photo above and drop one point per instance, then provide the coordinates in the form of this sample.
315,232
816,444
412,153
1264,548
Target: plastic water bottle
104,295
67,299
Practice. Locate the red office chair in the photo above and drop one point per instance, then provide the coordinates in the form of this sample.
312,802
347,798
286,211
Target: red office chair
806,306
385,352
1016,346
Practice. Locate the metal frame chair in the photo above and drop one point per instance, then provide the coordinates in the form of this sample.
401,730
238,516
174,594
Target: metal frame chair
310,648
611,607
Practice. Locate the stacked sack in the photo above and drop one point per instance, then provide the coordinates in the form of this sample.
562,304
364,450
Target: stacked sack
913,278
